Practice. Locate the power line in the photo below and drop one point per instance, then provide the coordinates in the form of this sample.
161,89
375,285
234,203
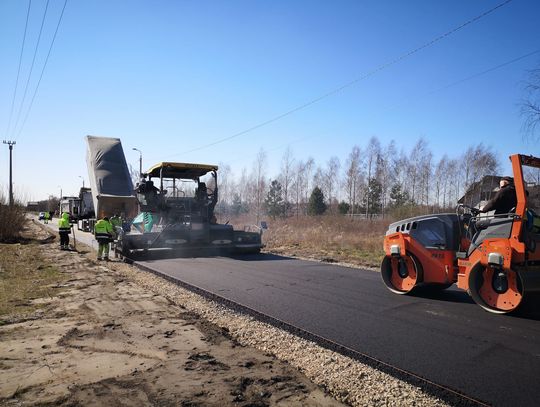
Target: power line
486,71
409,99
353,82
18,69
42,71
31,66
466,79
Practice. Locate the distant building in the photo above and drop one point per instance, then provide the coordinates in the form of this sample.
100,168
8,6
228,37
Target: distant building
482,191
534,197
32,206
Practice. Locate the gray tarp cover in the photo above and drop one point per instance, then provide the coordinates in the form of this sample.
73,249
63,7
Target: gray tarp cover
107,167
112,188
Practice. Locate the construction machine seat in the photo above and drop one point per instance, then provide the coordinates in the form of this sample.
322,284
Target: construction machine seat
491,228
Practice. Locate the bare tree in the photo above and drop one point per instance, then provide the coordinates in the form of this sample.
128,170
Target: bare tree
243,187
331,178
287,175
353,177
531,175
308,170
373,150
259,178
530,107
425,172
385,175
440,177
319,179
453,186
298,185
413,167
225,181
477,162
399,165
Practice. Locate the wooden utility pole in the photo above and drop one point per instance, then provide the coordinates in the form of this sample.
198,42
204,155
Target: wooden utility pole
10,144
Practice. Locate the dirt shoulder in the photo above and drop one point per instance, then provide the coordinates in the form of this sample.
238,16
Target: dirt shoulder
78,332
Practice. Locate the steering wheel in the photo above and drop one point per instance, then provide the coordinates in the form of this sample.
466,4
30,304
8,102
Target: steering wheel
474,211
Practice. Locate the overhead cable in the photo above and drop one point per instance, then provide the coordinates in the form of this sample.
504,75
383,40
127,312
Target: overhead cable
31,66
487,71
468,78
42,71
353,82
389,108
18,69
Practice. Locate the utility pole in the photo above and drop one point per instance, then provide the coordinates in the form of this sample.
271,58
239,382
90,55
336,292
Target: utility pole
10,144
140,161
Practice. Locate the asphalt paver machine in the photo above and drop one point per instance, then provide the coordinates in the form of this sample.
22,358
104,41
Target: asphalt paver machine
176,216
495,258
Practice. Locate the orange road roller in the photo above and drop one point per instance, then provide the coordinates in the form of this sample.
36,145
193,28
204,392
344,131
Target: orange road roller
495,258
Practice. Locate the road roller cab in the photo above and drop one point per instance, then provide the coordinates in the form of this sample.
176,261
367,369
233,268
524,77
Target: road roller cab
421,251
495,258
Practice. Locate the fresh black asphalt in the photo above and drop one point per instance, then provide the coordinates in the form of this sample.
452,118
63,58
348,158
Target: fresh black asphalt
443,337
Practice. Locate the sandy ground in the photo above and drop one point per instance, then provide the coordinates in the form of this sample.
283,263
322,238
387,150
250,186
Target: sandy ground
102,339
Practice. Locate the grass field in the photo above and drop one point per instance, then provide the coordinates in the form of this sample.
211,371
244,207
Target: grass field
331,238
25,277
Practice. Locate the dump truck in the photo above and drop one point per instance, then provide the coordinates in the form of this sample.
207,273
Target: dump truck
87,217
494,258
80,209
70,205
177,216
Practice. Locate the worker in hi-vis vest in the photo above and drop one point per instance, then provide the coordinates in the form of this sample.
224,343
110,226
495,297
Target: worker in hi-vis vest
116,222
103,231
64,229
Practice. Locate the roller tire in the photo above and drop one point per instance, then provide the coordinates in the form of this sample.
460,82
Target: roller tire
405,285
482,291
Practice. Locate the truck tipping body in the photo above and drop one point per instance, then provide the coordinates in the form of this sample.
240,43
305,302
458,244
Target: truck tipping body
112,188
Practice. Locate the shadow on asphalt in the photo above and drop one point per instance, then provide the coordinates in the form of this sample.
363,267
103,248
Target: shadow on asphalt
259,257
211,255
444,295
530,309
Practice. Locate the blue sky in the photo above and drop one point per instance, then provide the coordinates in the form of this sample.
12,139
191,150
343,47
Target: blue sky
171,76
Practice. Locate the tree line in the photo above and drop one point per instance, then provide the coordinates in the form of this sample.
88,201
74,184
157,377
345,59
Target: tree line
372,180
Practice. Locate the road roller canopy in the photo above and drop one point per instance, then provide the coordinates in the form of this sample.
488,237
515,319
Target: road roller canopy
180,170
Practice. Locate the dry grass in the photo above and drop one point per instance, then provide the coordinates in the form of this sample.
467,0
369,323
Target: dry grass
25,276
331,238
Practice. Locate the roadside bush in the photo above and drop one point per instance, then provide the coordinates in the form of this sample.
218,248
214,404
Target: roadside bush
11,222
343,208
